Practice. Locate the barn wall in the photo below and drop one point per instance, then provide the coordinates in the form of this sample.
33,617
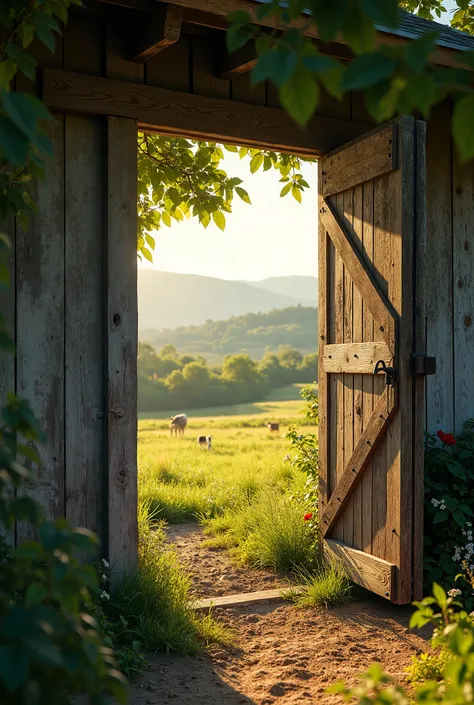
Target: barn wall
447,266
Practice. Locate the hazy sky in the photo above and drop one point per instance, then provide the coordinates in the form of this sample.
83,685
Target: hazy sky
272,237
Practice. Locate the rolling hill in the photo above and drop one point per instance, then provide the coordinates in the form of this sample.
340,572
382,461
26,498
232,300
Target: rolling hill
304,288
169,300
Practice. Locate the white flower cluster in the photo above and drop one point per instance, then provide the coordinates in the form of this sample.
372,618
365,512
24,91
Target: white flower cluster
465,553
104,596
439,504
454,592
287,458
105,563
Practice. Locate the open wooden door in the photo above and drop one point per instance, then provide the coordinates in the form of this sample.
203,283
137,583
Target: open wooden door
371,222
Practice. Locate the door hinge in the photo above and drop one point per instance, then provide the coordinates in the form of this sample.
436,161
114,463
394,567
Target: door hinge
422,364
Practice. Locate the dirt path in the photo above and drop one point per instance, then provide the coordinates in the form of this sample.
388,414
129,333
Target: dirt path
285,655
281,654
214,573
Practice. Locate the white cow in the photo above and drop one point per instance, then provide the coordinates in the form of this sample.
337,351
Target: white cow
178,424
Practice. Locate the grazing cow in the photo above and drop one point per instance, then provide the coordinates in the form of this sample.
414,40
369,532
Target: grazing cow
178,424
273,427
205,442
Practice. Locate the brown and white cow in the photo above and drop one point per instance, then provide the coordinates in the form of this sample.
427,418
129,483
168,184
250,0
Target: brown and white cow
273,427
178,424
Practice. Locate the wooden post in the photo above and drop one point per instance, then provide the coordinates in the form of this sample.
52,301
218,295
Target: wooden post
121,343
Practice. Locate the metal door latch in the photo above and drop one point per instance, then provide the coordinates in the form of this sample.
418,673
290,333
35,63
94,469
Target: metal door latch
389,372
422,365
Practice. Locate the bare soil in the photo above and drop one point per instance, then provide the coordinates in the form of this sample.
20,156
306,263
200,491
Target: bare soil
281,654
213,571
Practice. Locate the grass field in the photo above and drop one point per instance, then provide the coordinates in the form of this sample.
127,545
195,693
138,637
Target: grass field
241,489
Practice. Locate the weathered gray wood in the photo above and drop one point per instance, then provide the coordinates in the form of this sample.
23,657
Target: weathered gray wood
438,276
122,333
40,326
246,598
7,308
362,161
463,292
84,263
196,116
372,573
171,69
355,358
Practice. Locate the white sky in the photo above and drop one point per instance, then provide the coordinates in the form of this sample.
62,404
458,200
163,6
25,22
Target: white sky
272,237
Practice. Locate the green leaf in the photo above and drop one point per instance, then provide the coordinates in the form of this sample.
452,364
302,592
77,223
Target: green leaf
243,194
417,52
219,219
463,126
459,518
237,36
7,71
439,595
231,148
35,594
456,469
46,36
300,95
275,65
296,193
13,144
256,162
439,517
382,12
367,70
286,189
165,217
150,240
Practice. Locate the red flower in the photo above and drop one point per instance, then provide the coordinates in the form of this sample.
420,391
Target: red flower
307,517
446,438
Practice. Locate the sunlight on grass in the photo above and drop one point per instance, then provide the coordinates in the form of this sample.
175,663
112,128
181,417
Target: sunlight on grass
327,587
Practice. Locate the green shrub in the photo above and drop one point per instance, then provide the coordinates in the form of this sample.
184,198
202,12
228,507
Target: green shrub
428,667
449,489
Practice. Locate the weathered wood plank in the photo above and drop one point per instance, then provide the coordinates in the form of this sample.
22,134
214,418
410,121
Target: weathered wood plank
84,30
463,292
40,326
157,32
419,406
116,65
338,428
438,276
181,114
84,383
368,393
371,293
246,598
355,358
171,69
206,56
122,333
323,295
362,161
368,571
357,336
239,62
348,379
355,466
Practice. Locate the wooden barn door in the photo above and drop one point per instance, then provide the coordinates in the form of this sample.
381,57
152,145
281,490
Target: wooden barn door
371,220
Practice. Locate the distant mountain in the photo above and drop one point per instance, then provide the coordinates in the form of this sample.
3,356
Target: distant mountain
169,300
304,288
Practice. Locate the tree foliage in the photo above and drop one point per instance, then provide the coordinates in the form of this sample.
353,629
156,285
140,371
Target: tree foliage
395,79
179,179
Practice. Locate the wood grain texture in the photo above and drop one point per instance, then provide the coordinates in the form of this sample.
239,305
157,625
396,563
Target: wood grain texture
348,379
206,57
40,327
463,292
180,114
84,383
157,32
355,358
372,295
419,399
357,336
437,271
239,62
171,69
323,293
122,333
370,572
357,462
362,161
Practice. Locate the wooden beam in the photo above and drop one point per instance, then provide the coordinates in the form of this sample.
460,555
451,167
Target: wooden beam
363,451
373,297
156,32
240,61
355,358
368,571
362,161
194,116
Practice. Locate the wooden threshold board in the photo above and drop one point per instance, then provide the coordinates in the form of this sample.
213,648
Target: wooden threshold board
246,598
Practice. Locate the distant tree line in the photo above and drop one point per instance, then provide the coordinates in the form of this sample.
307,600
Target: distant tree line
167,380
296,326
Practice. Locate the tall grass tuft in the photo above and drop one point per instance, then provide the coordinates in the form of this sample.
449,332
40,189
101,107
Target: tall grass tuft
156,599
328,586
267,533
